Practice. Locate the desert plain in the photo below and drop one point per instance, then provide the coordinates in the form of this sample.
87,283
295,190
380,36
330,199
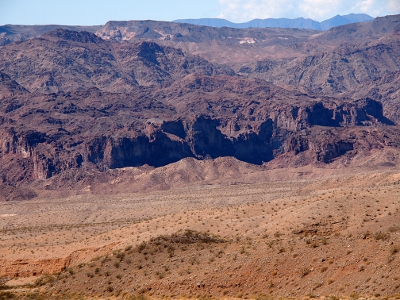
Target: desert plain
249,233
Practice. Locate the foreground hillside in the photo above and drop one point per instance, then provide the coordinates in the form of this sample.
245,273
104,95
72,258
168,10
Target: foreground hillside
338,236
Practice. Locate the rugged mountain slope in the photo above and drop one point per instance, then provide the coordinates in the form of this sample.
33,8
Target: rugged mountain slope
351,33
75,101
46,135
341,70
355,68
223,45
64,60
14,33
9,87
238,46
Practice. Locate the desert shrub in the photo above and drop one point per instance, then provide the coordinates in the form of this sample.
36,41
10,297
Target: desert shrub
141,247
381,236
136,297
181,238
5,295
186,237
44,280
305,271
263,297
354,296
394,249
194,260
120,256
204,297
105,259
30,295
394,228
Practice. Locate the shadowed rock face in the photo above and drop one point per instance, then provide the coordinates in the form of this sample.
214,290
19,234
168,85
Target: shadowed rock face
74,36
71,100
201,136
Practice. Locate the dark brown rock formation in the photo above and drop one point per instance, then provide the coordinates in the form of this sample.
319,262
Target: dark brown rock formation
74,101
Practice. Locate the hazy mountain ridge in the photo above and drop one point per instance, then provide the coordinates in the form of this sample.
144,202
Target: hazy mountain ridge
300,23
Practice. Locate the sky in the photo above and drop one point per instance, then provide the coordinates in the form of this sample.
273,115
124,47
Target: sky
98,12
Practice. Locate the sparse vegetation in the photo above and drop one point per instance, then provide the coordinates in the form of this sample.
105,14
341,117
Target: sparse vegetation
381,236
305,271
178,257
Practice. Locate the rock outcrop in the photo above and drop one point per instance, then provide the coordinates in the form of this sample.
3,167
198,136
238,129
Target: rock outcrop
42,156
37,267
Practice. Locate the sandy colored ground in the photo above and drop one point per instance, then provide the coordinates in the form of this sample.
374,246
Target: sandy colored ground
336,235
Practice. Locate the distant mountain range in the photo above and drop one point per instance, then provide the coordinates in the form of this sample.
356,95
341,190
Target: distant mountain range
300,23
14,33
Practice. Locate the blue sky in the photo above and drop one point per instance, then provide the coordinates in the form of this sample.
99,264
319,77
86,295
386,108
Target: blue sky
97,12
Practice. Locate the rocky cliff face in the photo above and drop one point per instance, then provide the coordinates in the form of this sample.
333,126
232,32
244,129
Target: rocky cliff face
36,267
98,104
202,137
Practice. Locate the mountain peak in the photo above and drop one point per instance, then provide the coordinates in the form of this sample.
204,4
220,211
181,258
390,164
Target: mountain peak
74,36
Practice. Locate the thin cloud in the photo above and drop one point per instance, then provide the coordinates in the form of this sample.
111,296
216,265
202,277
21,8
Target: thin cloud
245,10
